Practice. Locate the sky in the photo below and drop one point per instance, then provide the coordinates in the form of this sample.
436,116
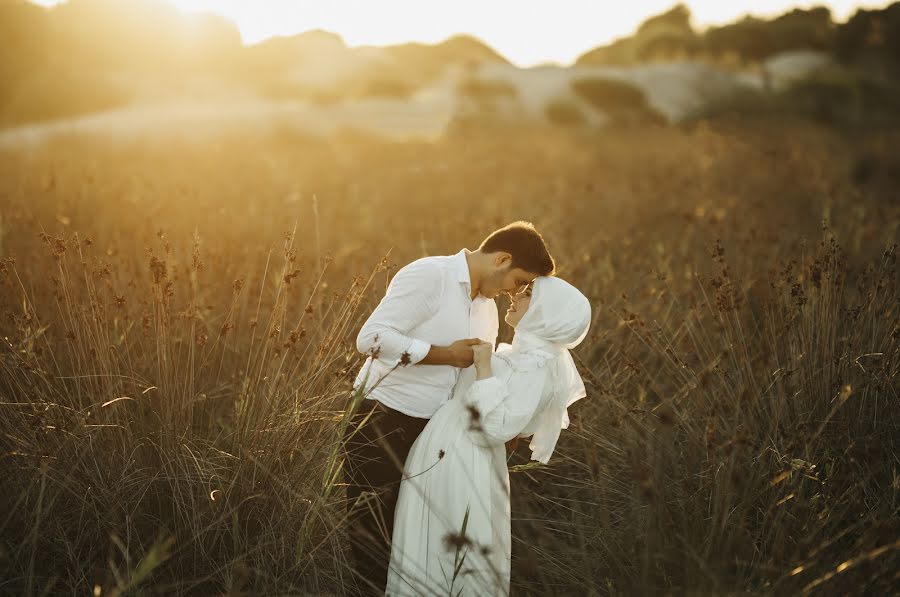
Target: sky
526,32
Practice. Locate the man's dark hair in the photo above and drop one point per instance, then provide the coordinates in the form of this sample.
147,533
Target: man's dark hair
525,244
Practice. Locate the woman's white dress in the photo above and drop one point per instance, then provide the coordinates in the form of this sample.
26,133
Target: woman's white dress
452,520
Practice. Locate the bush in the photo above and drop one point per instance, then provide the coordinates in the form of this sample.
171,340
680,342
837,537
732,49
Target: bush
620,101
841,98
565,113
609,95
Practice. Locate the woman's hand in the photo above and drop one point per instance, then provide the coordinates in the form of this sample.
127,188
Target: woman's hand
482,354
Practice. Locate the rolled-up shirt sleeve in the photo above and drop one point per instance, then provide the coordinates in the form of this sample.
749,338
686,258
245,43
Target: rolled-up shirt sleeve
412,297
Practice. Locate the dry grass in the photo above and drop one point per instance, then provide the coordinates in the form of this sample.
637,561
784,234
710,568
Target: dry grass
178,325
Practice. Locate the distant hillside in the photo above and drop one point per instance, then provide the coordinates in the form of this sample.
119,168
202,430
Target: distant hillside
669,35
429,60
870,36
810,66
88,55
318,65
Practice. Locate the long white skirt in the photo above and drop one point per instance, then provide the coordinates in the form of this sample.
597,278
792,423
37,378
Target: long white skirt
452,520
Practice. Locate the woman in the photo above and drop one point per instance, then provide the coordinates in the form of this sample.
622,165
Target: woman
452,520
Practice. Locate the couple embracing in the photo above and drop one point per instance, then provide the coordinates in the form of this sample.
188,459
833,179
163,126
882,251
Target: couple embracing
427,479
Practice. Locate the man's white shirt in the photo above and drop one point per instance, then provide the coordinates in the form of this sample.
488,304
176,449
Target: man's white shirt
428,302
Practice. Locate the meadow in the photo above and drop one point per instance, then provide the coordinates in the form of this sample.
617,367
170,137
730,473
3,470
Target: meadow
178,319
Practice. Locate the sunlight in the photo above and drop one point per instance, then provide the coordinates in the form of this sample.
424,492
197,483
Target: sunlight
526,33
261,330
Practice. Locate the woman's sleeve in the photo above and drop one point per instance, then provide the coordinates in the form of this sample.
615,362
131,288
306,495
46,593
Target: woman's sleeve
500,408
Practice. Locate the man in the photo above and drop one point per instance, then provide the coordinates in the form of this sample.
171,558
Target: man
418,339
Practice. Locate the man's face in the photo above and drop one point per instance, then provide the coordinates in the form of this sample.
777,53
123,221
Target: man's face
504,278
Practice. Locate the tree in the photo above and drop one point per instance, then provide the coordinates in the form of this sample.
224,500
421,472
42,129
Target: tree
678,18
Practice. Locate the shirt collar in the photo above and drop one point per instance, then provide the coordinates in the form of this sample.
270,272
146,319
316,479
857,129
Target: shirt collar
462,269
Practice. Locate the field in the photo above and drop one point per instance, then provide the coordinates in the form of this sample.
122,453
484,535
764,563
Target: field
178,321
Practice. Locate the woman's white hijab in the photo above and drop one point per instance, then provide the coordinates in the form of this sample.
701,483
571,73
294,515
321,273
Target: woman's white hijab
557,320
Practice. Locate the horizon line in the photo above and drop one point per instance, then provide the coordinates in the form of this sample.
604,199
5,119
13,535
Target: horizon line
248,40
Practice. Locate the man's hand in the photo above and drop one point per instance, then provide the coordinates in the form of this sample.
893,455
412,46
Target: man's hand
459,354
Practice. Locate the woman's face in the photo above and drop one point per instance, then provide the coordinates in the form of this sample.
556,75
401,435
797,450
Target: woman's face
518,306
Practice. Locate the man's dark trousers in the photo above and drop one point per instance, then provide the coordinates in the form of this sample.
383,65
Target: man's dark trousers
376,449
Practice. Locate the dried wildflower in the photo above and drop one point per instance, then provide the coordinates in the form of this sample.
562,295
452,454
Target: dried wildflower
718,252
375,351
158,269
295,336
441,454
815,275
59,247
474,418
455,541
798,293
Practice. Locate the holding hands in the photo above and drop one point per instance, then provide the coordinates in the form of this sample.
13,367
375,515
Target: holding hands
459,354
482,356
462,354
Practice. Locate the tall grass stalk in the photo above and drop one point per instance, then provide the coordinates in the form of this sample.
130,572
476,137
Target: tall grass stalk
176,367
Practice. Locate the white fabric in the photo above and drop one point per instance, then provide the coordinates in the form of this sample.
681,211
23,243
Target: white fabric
557,320
428,302
458,462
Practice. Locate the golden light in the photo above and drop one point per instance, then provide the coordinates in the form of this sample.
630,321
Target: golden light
526,33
